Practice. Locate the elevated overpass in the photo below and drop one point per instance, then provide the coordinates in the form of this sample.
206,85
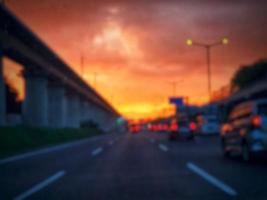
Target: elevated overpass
55,96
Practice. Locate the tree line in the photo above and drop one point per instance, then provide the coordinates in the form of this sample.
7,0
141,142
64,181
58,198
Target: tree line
247,75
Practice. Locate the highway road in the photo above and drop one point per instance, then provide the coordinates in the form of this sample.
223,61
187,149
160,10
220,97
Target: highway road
126,166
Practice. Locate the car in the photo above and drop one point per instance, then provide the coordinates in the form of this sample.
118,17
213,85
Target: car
182,129
245,130
173,129
134,128
208,125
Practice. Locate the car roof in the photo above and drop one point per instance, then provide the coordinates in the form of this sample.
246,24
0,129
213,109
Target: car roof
249,106
252,102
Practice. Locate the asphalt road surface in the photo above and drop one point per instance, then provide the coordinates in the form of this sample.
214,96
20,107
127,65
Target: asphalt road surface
125,167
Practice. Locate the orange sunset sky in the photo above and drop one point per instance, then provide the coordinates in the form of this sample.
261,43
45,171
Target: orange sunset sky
137,48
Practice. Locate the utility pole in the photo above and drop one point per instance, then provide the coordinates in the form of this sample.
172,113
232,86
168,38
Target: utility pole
208,69
174,86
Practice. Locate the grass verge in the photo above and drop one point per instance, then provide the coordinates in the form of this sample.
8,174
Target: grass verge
15,140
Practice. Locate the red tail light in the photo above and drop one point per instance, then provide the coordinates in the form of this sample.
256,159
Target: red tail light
256,121
225,128
192,126
174,127
165,127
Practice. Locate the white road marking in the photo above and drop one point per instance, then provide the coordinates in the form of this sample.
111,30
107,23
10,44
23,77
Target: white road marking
46,150
163,147
97,151
40,186
152,140
211,179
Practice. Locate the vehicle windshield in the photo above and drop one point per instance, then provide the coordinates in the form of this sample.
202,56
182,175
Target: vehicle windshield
212,120
133,99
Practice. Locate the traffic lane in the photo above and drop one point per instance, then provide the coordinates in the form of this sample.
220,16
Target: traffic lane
131,169
52,148
17,176
157,136
248,179
184,151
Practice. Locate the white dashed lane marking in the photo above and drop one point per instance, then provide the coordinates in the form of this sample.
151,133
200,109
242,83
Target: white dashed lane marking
163,147
211,179
152,140
40,186
97,151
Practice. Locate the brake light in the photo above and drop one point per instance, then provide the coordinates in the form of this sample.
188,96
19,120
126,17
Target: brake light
225,129
192,126
174,127
256,121
165,127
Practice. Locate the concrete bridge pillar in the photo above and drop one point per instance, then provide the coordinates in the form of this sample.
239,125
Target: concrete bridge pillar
83,111
91,112
98,117
72,117
87,112
110,123
103,119
35,104
2,92
96,114
56,105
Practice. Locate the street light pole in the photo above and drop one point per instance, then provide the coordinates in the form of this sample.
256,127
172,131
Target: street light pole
209,72
208,47
174,86
82,71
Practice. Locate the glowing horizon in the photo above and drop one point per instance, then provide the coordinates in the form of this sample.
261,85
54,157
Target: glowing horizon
132,51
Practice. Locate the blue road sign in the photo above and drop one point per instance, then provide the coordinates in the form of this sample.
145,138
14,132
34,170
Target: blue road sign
178,101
